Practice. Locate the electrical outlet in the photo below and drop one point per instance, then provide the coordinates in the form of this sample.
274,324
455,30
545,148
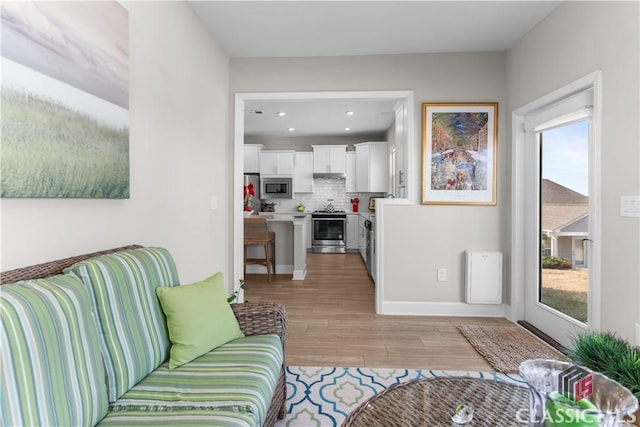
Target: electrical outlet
638,334
442,274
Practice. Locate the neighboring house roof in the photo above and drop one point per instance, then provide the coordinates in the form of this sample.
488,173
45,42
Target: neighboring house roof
561,206
576,227
554,193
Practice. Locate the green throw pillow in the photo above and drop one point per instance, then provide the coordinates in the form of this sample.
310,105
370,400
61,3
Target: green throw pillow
199,318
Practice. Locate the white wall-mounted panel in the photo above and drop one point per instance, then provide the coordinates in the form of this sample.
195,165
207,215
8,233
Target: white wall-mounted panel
484,277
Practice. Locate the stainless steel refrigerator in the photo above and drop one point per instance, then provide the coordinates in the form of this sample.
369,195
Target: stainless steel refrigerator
254,178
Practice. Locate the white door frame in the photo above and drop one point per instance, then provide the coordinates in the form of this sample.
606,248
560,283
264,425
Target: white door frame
523,245
238,160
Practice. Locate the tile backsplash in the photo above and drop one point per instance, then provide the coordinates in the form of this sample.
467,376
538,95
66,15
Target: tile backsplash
323,190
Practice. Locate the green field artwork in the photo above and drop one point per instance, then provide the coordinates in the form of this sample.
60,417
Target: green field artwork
64,112
50,151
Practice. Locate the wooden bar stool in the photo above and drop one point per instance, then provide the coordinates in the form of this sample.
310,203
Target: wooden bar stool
256,233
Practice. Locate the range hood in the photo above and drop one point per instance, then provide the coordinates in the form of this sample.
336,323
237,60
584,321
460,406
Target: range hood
330,175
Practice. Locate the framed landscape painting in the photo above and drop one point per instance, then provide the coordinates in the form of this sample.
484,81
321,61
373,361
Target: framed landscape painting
65,100
459,142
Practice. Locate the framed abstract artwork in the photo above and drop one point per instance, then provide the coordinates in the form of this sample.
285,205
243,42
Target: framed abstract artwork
459,143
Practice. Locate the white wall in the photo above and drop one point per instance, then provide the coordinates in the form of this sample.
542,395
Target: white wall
438,238
178,158
575,40
420,238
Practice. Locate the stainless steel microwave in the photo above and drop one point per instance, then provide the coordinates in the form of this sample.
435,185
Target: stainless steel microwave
277,188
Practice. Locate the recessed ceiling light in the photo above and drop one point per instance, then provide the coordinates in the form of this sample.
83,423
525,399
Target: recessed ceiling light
281,113
291,129
349,113
347,129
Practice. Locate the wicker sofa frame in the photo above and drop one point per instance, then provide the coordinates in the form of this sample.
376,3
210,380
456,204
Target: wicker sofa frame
253,318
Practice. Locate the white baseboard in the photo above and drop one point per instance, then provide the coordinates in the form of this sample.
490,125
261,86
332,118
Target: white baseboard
442,309
260,269
300,274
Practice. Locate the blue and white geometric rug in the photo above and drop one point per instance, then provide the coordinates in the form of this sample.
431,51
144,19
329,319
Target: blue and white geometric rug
323,397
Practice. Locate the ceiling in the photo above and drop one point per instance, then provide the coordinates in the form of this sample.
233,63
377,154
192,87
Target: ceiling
258,29
254,29
327,117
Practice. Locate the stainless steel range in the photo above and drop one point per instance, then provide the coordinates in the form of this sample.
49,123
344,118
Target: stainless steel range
329,231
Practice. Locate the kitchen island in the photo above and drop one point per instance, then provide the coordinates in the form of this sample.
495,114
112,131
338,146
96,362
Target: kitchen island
292,231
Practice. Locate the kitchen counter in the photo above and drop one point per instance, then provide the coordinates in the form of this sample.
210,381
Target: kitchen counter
371,216
285,213
365,213
282,217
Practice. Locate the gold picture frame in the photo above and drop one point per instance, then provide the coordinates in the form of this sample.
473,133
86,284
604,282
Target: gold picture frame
459,153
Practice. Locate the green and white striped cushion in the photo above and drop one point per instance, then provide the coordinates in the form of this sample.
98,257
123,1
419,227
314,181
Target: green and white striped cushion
201,417
134,338
240,375
50,364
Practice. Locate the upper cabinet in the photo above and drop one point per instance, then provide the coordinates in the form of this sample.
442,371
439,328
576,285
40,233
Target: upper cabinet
350,181
372,167
303,179
252,158
278,163
329,159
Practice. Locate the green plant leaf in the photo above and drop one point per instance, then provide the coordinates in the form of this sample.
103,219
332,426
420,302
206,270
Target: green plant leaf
610,355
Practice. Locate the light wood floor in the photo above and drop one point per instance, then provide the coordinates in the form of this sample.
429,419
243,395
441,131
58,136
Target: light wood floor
332,322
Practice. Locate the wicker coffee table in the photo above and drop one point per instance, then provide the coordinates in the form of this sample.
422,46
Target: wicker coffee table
432,402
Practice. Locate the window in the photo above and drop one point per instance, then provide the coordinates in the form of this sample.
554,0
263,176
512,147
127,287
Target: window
564,225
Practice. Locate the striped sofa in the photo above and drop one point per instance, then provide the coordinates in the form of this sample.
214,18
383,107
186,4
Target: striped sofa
83,341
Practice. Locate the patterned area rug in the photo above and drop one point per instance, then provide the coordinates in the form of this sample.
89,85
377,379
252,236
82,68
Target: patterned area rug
323,397
505,347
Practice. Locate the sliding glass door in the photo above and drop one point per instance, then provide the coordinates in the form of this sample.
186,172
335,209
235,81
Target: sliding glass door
556,218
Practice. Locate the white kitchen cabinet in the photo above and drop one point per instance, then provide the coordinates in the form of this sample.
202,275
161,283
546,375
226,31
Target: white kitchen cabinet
362,238
372,167
401,124
278,163
350,182
303,177
374,250
353,232
329,158
252,158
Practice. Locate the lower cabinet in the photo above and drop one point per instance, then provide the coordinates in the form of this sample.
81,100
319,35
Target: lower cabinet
362,238
372,243
353,232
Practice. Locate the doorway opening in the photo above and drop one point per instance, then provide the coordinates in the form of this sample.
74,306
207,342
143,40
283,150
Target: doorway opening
403,98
